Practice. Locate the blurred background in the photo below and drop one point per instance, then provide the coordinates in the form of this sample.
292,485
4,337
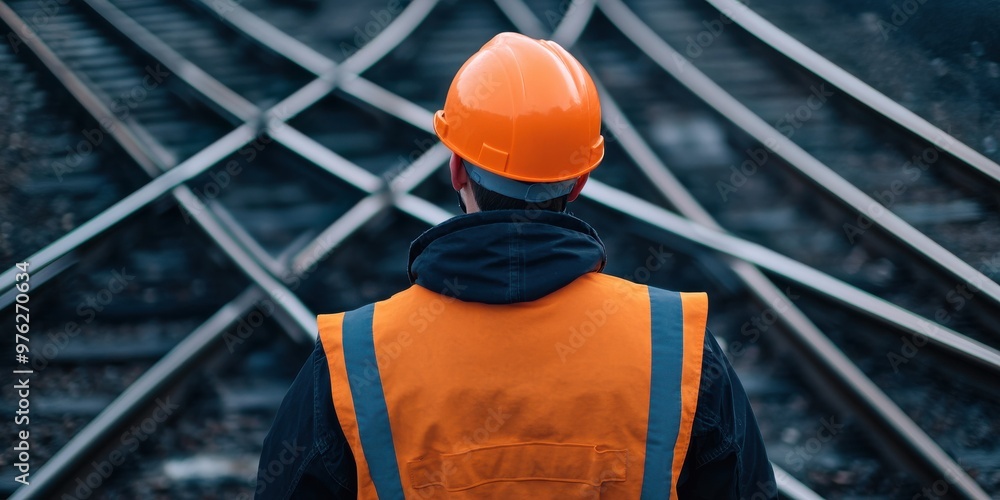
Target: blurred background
192,181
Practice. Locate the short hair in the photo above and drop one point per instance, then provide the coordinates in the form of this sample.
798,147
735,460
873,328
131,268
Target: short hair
491,200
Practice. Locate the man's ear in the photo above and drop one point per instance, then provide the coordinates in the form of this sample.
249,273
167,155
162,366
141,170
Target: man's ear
459,177
578,187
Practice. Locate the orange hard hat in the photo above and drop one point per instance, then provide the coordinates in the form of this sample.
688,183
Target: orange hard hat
524,110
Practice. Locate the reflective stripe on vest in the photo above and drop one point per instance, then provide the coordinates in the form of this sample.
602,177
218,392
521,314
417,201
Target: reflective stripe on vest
421,460
369,403
670,421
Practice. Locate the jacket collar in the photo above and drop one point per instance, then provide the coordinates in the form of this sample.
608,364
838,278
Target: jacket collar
505,256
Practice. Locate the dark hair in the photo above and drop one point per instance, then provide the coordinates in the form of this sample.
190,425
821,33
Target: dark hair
490,200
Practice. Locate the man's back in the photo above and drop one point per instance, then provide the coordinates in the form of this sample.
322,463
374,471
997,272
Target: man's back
512,368
555,391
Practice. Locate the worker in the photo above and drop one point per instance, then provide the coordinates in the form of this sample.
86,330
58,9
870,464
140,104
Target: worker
513,368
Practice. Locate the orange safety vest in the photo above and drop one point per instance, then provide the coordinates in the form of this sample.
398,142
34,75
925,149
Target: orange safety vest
588,392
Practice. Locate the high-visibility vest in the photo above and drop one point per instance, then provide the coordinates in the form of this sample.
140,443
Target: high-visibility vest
588,392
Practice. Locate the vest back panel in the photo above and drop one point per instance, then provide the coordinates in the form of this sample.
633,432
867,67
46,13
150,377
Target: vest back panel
541,399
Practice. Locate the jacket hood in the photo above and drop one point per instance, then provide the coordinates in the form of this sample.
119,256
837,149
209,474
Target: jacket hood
505,256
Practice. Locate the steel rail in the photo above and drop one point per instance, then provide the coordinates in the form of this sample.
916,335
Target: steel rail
330,75
154,162
138,199
836,364
158,187
574,20
849,295
794,271
791,487
853,86
243,237
521,16
135,201
139,394
278,42
821,175
377,48
68,458
215,226
221,97
227,102
91,437
85,442
250,25
395,105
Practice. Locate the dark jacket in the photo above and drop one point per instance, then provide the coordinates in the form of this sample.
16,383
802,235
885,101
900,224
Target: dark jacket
506,257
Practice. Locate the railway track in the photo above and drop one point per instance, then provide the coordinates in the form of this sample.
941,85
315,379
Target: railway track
918,75
56,185
293,234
